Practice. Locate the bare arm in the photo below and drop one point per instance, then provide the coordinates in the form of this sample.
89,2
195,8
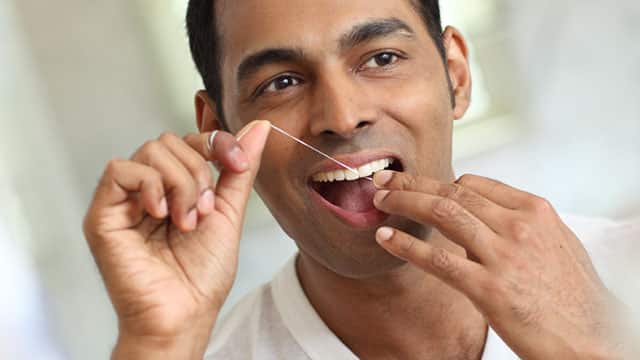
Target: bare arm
525,270
165,237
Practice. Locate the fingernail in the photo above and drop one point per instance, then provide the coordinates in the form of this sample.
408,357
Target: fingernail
164,207
251,126
384,234
239,158
205,202
191,222
382,178
379,196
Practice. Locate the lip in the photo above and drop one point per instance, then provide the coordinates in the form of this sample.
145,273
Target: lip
361,220
354,161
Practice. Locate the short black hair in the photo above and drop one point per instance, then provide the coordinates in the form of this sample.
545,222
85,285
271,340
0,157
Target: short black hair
206,48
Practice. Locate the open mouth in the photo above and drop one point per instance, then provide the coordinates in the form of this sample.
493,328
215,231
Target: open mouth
350,195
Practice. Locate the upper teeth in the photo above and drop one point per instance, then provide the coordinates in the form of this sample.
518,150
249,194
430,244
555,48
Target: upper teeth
365,170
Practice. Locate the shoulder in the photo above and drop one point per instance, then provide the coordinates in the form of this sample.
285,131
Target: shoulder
253,329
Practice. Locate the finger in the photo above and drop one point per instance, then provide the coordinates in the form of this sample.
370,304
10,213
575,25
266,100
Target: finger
233,189
484,209
191,159
221,147
180,186
197,167
501,194
122,177
460,273
456,223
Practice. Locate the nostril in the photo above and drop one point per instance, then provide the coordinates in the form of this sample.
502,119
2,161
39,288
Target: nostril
345,130
362,124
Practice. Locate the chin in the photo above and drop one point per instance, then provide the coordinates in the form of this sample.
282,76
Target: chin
364,269
359,256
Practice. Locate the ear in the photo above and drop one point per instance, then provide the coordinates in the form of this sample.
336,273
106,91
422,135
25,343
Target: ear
206,113
459,72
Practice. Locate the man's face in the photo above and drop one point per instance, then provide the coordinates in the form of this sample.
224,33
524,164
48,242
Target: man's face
362,81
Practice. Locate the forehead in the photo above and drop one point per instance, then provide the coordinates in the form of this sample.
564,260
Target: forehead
248,26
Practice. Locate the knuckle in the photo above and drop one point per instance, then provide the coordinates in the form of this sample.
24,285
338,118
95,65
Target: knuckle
110,173
168,136
408,182
441,262
451,191
112,166
521,230
540,205
465,179
471,229
406,248
150,147
91,227
87,227
203,174
462,195
445,208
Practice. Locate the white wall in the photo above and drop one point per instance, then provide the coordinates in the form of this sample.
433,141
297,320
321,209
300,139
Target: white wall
77,91
580,95
79,86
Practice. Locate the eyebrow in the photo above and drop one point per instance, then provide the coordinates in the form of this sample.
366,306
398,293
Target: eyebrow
255,61
374,29
359,34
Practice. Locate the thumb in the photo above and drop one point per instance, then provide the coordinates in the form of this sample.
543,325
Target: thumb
233,189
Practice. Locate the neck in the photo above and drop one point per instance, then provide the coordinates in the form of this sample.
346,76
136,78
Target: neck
405,313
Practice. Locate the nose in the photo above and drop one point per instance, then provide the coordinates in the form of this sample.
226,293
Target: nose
341,109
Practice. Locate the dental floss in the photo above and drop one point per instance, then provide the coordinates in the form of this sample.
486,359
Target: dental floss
317,151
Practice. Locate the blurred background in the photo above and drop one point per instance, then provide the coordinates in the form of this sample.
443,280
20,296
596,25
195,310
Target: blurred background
556,111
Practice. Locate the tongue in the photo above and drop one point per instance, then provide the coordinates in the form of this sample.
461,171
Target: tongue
355,196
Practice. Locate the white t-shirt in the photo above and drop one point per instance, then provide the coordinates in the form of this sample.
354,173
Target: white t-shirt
277,322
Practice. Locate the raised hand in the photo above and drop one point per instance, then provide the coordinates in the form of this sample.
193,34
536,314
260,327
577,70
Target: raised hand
525,271
165,236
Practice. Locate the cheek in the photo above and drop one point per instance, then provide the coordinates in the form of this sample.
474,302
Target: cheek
422,106
420,101
426,113
275,159
279,181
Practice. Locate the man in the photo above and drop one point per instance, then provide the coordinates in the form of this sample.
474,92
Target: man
414,265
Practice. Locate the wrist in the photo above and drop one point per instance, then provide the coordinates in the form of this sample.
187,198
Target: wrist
189,344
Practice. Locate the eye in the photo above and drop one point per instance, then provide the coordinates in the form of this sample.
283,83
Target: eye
381,60
280,83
